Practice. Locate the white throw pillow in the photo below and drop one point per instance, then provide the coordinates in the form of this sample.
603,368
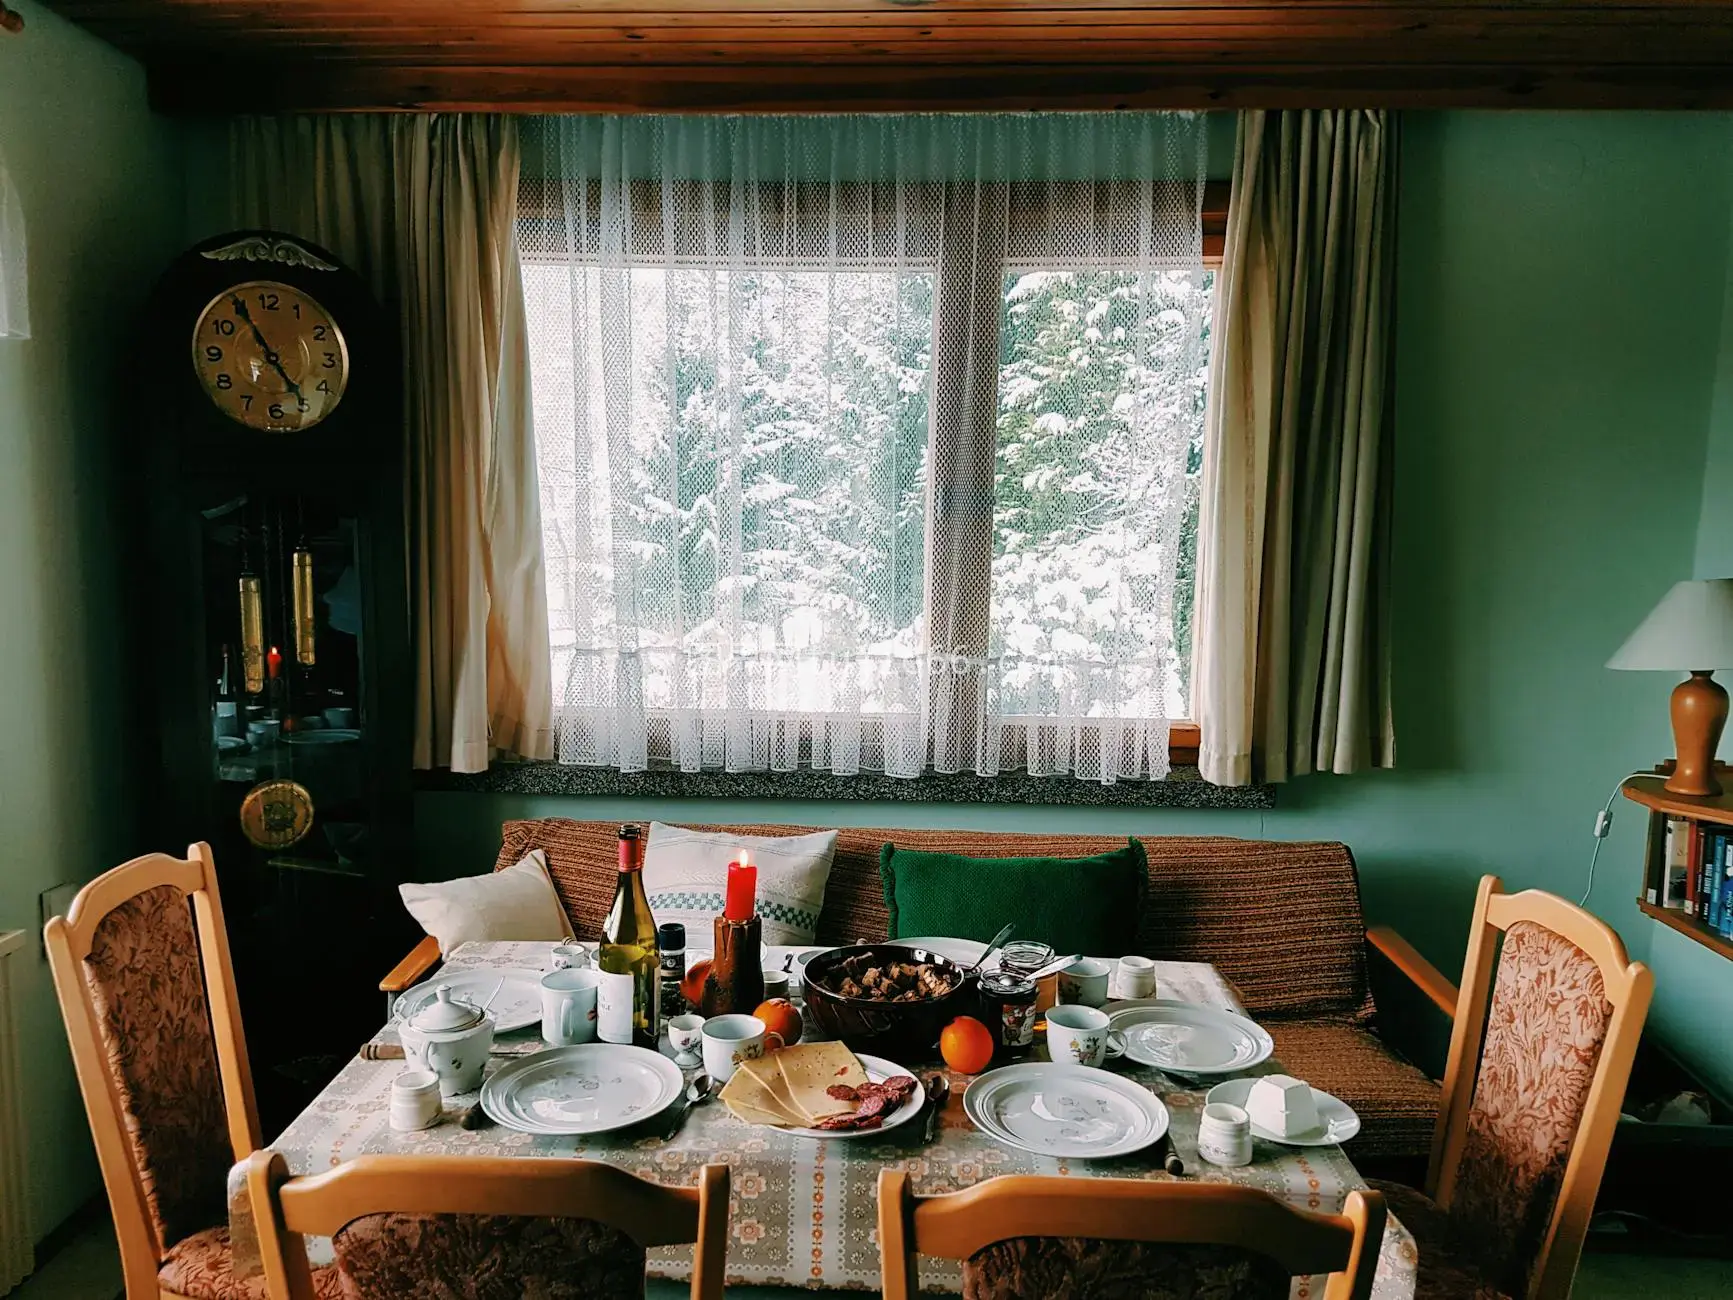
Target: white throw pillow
518,903
686,872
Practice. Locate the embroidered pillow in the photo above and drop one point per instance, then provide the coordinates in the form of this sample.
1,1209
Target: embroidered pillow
686,871
515,903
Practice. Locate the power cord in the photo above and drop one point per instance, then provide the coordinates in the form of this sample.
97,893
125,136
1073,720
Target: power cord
1603,824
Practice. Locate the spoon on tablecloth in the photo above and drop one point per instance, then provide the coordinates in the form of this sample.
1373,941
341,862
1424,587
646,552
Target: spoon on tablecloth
938,1093
696,1092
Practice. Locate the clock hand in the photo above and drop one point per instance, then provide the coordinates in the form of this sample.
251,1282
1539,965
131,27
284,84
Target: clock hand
270,354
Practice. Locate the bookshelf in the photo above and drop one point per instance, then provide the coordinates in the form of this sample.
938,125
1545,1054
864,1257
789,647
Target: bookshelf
1713,812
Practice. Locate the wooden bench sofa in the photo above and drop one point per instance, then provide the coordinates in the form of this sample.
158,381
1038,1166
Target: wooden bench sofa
1280,920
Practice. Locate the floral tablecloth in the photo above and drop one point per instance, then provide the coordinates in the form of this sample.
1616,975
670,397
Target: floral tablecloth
802,1212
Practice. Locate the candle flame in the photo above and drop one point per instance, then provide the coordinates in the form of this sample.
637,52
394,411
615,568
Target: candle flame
746,857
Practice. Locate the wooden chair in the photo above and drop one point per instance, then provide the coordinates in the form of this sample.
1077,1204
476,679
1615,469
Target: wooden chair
148,995
1025,1237
401,1225
1547,1022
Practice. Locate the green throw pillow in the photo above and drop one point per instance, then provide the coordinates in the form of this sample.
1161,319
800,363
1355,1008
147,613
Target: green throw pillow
1083,905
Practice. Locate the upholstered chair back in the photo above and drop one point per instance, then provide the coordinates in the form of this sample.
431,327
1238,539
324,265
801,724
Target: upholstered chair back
486,1257
155,1025
485,1228
1024,1237
141,967
1060,1268
1547,1023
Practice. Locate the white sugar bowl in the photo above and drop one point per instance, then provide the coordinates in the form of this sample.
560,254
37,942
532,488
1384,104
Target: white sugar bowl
1283,1105
451,1038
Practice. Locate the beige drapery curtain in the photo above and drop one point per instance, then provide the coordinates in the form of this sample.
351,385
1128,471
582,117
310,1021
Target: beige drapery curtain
1292,656
425,207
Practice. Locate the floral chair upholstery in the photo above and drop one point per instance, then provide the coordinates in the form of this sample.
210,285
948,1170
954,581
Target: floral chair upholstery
1546,1024
154,1024
486,1257
1077,1268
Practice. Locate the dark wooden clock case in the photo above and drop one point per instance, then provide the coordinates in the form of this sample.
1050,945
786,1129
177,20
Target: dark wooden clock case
311,926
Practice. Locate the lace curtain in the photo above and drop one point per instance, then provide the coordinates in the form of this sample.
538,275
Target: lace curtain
868,443
14,300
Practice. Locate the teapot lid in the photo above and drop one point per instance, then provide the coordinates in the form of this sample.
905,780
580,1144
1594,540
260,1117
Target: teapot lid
446,1014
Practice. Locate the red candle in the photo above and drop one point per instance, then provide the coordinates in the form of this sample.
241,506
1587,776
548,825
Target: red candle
742,890
274,662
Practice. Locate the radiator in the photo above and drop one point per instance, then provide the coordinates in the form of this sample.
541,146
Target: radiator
17,1256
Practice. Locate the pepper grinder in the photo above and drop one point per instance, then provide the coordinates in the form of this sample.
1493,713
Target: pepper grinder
735,982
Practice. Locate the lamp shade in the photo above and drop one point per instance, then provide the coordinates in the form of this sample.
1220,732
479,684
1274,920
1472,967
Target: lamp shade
1691,629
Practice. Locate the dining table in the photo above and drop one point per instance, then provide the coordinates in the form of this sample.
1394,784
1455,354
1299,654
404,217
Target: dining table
802,1211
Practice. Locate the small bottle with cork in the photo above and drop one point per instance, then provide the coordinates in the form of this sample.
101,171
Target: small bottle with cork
735,981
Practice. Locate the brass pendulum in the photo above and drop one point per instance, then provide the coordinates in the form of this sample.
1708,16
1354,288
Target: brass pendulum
252,634
303,609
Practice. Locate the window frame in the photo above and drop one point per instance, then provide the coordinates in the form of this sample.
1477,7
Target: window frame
806,240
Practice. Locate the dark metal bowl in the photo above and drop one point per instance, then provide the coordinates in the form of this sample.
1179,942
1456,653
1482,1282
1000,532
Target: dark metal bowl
907,1032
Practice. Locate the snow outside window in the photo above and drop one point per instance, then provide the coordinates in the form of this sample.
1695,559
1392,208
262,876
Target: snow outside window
869,443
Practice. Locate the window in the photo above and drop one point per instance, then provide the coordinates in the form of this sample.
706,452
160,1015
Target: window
891,474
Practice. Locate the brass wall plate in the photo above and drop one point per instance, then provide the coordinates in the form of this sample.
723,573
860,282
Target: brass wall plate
276,814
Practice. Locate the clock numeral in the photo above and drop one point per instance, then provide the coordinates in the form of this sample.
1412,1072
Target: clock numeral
319,332
224,381
246,401
296,308
302,405
275,411
330,361
213,353
223,327
324,386
269,301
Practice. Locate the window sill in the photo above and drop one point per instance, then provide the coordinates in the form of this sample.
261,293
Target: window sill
1184,788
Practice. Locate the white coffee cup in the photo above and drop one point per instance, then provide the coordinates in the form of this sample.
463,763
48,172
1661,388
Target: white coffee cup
569,1006
570,956
729,1040
1084,982
775,984
1136,977
1224,1135
415,1102
1079,1035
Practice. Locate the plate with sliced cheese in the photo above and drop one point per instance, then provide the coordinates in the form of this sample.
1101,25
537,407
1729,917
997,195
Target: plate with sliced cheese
823,1090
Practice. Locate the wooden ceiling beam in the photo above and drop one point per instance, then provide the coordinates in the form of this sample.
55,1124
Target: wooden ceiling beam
805,55
349,86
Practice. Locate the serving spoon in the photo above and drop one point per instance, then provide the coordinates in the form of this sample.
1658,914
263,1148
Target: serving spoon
993,946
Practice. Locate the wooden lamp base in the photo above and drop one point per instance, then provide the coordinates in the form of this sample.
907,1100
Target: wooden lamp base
1699,715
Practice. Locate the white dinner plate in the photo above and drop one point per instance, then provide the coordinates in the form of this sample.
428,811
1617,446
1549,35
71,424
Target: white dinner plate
592,1088
877,1070
1337,1121
1189,1039
1069,1111
517,1005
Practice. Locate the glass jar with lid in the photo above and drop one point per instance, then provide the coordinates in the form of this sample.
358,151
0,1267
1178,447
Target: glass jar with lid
1025,956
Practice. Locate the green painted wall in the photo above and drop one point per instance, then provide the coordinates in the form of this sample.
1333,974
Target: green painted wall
99,181
1560,311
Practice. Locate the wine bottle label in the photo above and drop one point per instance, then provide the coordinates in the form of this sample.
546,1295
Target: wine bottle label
614,1007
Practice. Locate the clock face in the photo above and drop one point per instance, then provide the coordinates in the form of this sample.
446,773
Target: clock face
270,357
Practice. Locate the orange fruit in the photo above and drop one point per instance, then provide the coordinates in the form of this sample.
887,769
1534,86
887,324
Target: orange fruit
692,982
780,1016
966,1045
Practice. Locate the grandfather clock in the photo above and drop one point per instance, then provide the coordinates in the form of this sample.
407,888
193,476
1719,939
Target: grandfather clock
272,600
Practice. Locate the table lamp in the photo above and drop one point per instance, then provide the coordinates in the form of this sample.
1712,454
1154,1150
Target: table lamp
1691,630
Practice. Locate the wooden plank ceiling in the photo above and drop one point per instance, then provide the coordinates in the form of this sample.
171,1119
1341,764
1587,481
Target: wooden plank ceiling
223,56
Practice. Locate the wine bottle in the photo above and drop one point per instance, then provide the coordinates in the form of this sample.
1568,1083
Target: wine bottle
228,710
629,960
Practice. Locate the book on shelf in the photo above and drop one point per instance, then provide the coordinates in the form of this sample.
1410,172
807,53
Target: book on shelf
1724,918
1676,864
1711,846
